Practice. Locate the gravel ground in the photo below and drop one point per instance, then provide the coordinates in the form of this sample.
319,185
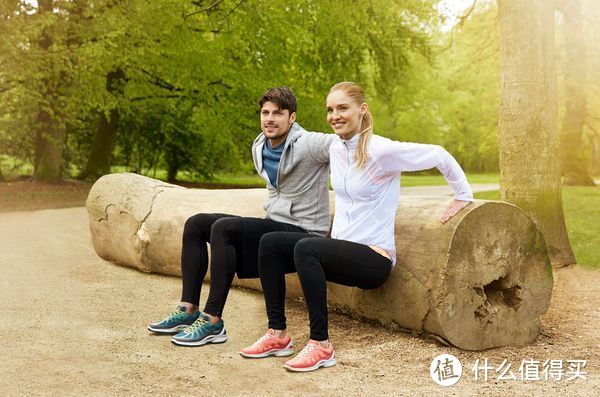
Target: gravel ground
74,324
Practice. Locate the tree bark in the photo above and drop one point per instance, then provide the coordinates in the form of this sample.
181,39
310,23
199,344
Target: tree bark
528,138
480,281
53,139
100,158
575,171
44,42
50,133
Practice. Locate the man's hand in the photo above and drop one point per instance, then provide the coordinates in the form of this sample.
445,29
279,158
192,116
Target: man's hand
453,208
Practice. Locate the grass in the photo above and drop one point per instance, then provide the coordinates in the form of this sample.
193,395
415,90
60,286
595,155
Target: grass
233,179
406,181
582,213
488,195
225,178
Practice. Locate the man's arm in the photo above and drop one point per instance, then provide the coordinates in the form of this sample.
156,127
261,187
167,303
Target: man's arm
318,146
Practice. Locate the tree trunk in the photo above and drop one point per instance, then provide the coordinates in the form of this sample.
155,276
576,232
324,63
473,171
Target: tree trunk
44,42
172,171
39,138
100,159
574,169
53,138
480,281
50,133
528,139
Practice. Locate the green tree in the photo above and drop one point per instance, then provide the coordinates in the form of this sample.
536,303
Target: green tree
450,97
591,35
574,169
171,84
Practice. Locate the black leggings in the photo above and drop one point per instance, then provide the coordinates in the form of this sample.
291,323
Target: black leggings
234,248
317,260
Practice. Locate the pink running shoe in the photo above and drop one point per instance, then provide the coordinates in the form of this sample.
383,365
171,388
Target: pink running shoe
269,345
311,357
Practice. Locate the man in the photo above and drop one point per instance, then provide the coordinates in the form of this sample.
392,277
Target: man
295,166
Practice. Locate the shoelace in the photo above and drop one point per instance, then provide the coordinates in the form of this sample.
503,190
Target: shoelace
263,338
174,313
307,350
197,324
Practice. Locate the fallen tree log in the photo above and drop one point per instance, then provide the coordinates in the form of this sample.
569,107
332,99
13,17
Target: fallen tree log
482,280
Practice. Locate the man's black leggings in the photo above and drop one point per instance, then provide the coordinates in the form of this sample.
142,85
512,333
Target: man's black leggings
317,260
234,244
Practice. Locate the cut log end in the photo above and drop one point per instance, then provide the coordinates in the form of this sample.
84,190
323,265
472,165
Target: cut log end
497,281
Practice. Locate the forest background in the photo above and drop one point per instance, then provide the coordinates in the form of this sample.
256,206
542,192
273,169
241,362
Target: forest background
169,88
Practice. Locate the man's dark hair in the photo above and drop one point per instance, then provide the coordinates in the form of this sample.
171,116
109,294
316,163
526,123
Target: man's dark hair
281,96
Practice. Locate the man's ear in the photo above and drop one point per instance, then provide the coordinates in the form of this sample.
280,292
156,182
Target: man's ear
292,118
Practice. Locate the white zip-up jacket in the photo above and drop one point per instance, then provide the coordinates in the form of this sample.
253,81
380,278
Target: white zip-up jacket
366,199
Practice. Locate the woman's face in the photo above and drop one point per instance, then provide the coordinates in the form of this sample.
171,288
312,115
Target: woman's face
344,114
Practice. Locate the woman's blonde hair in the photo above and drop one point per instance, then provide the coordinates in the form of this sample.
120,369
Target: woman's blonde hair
357,93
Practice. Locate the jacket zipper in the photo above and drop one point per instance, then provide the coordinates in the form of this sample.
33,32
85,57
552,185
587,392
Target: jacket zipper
346,181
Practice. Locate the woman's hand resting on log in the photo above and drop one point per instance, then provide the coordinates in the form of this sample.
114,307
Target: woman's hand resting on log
453,208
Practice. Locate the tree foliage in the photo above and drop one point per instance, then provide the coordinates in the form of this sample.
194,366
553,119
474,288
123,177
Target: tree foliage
191,73
173,85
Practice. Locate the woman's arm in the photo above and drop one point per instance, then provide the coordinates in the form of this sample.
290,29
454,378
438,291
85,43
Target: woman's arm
405,156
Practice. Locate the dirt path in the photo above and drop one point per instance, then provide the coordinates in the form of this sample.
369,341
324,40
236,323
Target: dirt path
73,324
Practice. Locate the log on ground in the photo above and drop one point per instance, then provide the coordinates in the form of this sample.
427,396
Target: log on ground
480,281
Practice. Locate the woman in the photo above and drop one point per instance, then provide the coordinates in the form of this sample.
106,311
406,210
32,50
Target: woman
365,175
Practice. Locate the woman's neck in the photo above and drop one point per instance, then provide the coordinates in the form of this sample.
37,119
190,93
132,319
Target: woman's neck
349,136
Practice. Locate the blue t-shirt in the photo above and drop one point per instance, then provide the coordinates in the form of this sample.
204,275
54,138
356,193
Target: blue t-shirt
271,157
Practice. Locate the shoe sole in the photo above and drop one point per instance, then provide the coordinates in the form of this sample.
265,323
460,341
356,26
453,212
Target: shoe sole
323,363
220,338
174,330
287,351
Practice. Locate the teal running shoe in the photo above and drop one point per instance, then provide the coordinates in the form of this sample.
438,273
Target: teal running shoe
175,321
201,333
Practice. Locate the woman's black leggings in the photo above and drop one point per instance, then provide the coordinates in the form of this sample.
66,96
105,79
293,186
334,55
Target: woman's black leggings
234,244
317,260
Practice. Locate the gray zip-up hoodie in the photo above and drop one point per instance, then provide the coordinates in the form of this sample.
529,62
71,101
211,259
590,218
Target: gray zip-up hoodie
302,195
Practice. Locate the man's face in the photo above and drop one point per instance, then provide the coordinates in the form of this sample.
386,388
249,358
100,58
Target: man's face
275,122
